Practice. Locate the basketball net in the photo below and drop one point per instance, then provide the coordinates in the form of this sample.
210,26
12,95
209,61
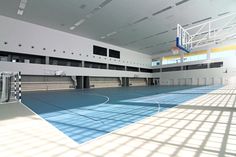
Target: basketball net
175,50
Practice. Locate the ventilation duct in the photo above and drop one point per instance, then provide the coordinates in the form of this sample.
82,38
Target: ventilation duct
202,20
181,2
161,11
140,20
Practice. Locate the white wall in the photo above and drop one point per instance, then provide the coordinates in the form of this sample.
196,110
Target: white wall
40,69
200,76
17,32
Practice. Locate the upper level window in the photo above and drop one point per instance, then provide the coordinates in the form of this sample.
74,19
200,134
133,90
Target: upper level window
114,53
171,59
195,56
223,54
156,62
97,50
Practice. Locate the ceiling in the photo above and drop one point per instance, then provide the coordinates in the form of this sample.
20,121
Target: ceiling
146,26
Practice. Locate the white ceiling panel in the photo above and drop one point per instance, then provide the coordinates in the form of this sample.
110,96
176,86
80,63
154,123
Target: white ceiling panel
145,26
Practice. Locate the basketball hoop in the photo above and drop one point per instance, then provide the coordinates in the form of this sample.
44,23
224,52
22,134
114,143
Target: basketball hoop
175,50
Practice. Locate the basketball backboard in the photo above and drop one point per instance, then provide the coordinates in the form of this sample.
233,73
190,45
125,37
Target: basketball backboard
211,32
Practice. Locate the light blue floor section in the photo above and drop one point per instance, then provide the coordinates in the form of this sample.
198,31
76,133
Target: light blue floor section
85,115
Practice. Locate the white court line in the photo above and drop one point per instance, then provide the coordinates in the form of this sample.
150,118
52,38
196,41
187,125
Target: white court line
52,126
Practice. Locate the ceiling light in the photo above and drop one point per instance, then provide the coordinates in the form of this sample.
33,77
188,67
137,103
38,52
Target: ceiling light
112,33
22,5
23,1
72,28
20,12
79,22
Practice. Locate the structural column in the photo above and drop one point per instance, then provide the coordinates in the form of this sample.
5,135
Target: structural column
82,63
47,60
208,57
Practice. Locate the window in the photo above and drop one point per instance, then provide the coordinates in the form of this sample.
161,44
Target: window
116,67
195,66
97,50
114,53
223,54
22,58
171,59
95,65
3,57
132,69
216,65
156,62
156,70
171,69
195,56
65,62
145,70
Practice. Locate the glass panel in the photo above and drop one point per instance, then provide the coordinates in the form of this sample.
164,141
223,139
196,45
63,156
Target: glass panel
195,58
223,54
156,62
171,59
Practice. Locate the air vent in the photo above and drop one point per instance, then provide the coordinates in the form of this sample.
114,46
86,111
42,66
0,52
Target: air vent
181,2
161,11
161,33
202,20
104,3
154,35
140,20
150,36
223,13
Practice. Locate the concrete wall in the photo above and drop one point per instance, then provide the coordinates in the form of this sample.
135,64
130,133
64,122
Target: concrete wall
16,32
40,69
223,75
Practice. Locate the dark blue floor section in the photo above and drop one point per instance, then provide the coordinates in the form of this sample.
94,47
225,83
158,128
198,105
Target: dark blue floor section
83,115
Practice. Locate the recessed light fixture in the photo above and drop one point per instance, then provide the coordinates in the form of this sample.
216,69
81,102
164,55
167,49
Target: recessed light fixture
112,33
21,7
20,12
79,22
72,28
90,14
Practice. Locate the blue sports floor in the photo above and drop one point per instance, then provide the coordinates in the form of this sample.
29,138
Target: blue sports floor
86,114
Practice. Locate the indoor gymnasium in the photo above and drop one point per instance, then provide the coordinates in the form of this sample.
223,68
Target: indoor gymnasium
117,78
